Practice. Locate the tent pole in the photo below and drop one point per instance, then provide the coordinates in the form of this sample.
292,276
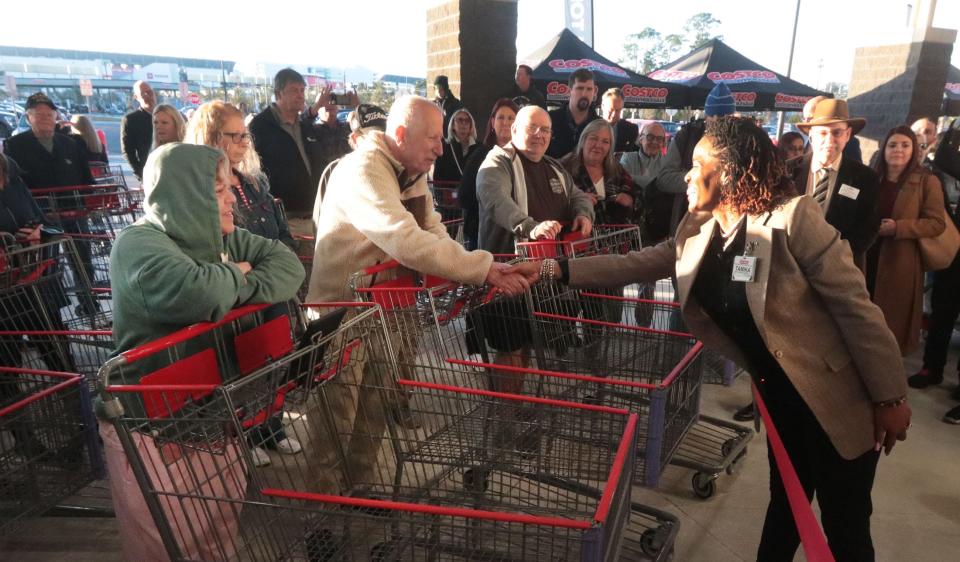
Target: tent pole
793,43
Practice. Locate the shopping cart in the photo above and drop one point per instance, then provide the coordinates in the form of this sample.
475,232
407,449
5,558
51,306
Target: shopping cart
48,444
107,174
445,199
83,351
604,239
453,495
91,209
46,286
455,229
710,446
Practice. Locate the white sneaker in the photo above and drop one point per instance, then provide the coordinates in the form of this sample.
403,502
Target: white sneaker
288,446
260,457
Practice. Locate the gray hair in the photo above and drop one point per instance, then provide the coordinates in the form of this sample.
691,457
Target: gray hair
610,166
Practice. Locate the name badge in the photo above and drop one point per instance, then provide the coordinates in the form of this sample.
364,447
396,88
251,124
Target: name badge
744,268
849,191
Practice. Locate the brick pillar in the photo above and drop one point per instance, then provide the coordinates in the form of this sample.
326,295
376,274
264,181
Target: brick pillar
473,43
897,84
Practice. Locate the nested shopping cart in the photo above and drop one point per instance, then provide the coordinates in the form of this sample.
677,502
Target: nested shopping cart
48,444
448,493
445,199
610,340
46,286
102,208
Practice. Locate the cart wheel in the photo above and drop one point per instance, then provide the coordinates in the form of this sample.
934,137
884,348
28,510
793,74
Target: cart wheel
727,446
651,542
736,462
704,485
476,480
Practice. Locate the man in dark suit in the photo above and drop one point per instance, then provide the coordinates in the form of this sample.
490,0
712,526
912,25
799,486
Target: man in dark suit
845,189
625,133
136,128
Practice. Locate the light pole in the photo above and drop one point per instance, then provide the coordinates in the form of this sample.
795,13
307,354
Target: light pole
793,43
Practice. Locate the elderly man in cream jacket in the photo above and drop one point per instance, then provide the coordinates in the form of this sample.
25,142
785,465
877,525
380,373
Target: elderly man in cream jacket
377,208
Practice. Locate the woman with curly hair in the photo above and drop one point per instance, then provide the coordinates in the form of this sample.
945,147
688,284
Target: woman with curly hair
764,280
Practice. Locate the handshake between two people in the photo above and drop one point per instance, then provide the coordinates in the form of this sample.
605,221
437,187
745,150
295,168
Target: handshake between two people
514,279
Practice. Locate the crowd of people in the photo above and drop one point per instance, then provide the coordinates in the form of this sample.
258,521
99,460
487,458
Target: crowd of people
834,281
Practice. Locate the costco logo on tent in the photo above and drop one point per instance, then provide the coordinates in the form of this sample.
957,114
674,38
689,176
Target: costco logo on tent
558,91
565,65
743,76
745,99
643,94
673,75
786,101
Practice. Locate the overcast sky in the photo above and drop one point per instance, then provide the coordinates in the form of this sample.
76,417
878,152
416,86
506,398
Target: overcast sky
389,36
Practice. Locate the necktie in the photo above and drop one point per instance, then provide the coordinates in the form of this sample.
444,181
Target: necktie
820,188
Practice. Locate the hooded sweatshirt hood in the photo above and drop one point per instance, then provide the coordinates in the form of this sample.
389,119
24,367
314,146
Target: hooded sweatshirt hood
178,183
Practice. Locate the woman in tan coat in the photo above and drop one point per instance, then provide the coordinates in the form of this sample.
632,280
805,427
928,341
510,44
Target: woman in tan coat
910,207
763,279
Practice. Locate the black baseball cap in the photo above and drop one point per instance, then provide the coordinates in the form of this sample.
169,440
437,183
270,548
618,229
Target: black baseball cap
368,115
442,82
40,98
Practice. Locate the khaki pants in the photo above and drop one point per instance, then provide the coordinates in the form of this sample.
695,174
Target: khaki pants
353,408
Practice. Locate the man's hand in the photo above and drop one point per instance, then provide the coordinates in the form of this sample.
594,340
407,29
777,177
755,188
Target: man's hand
890,425
501,277
888,227
583,225
29,235
547,230
244,266
624,199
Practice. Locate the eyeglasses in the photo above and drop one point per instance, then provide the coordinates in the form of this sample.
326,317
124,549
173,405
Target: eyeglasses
535,130
655,138
237,138
835,133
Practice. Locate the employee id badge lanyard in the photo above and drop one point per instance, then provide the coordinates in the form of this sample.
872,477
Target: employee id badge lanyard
745,266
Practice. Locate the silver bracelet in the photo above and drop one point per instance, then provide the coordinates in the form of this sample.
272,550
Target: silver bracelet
548,270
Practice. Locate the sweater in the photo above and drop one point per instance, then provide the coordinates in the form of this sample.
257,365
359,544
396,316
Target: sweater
368,216
174,267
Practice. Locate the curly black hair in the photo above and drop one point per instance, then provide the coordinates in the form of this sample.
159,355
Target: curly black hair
755,177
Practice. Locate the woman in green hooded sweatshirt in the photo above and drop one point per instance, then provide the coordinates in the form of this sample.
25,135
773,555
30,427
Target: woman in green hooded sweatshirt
185,262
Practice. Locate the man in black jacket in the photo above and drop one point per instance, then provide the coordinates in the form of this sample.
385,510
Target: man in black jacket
136,128
570,120
524,92
448,103
51,159
845,189
293,150
625,133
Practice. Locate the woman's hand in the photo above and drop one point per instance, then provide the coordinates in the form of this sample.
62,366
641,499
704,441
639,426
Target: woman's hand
890,425
624,199
244,266
888,227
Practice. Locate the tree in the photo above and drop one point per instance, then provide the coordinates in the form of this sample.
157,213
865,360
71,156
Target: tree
649,50
699,29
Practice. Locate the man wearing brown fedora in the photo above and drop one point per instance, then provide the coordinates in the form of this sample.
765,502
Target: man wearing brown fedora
845,189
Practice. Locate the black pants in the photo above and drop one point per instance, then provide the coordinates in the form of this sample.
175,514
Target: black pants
842,486
945,305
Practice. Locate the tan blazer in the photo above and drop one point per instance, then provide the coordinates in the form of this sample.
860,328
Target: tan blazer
809,302
898,291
